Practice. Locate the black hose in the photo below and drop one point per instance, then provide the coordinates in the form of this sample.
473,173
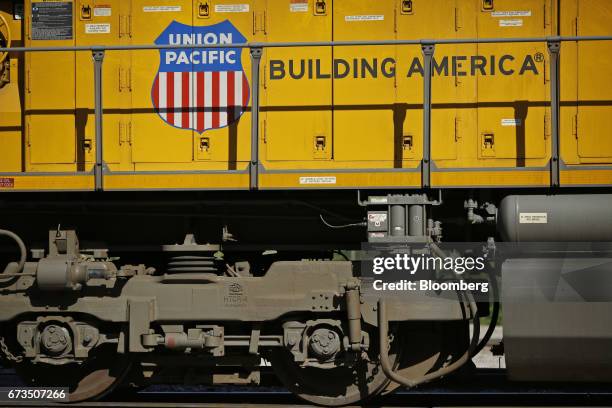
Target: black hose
22,249
494,316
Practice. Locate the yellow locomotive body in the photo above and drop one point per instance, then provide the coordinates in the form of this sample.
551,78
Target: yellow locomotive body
330,116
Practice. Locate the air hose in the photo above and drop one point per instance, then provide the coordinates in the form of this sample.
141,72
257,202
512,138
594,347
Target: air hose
14,267
4,22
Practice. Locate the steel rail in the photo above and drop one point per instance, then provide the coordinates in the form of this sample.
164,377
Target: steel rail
256,48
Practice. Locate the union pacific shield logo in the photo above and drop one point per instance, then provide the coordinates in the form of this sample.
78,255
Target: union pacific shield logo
201,88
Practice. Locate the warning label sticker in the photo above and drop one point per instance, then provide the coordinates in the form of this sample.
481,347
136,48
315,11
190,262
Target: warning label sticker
365,18
533,218
52,20
103,11
317,180
97,28
511,23
511,122
231,8
7,182
511,13
298,6
162,9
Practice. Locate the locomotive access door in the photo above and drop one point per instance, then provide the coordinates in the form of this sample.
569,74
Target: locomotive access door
99,22
296,105
364,88
513,84
158,142
593,121
450,92
50,139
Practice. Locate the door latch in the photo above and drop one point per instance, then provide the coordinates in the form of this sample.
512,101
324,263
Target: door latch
85,12
487,5
204,144
320,8
406,6
407,142
488,140
203,9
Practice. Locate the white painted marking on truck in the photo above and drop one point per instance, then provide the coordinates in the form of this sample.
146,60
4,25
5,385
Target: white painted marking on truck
533,218
377,17
97,28
232,8
317,180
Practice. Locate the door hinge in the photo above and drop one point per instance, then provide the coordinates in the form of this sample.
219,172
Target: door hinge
259,22
264,131
458,25
125,26
547,124
575,126
125,133
457,129
125,79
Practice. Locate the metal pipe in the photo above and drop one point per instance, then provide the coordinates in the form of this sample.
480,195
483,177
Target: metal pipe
254,163
553,49
314,44
98,58
428,51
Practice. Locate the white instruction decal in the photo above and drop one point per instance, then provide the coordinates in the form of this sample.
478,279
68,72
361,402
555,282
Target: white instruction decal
365,18
97,28
317,180
533,218
511,23
162,9
511,13
298,6
511,122
103,11
377,219
231,8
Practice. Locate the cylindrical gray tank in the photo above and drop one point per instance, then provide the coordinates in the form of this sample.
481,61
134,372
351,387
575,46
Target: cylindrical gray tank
556,218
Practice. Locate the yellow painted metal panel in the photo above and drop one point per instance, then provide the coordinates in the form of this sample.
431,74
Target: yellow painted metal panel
569,84
154,140
594,120
50,102
368,116
486,178
10,101
586,177
177,181
297,91
365,98
513,92
330,180
453,96
101,22
47,183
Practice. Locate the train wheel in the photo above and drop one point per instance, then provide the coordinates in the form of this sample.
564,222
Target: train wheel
91,380
342,384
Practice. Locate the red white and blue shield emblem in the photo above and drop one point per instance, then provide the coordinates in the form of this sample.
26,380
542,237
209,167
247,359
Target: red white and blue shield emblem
200,88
